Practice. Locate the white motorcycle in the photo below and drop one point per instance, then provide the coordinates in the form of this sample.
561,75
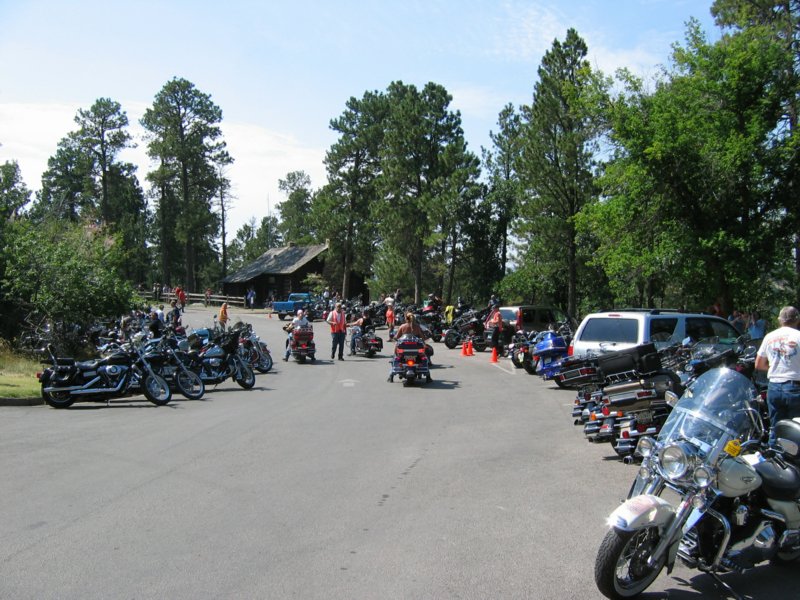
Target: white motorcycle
708,492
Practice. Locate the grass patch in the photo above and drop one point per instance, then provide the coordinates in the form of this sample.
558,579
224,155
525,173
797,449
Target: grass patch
18,374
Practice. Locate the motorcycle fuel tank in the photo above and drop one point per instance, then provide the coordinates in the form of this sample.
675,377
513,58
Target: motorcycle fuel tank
736,477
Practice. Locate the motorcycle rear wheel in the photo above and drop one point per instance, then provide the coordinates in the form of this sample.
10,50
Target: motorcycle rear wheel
621,570
156,389
58,399
370,353
530,366
190,384
247,379
515,360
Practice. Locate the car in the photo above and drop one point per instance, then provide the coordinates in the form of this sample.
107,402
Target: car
626,328
534,318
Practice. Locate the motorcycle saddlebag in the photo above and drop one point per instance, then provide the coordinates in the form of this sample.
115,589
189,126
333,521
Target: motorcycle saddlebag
787,434
637,358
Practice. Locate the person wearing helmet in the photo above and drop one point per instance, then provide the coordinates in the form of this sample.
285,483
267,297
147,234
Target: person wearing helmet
299,321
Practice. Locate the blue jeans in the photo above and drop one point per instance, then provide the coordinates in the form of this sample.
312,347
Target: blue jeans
354,335
337,340
783,402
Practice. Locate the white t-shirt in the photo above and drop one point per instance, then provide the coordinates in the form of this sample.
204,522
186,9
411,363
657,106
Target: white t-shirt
781,348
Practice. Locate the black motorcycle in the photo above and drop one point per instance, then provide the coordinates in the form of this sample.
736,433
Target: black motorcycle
367,343
219,360
175,366
122,373
468,326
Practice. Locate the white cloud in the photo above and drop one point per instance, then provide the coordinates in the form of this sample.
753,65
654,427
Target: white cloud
31,132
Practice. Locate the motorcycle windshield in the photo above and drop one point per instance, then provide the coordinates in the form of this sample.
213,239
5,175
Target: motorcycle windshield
715,409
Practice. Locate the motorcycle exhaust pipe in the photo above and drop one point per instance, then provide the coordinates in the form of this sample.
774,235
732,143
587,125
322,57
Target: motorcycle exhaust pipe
83,390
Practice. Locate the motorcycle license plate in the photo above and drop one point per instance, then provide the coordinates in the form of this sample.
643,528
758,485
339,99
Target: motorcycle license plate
645,417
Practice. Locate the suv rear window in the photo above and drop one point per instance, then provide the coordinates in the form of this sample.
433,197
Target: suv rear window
606,329
661,330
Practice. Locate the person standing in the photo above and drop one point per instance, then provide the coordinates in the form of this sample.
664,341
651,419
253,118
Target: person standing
390,318
338,322
779,355
756,327
222,318
495,322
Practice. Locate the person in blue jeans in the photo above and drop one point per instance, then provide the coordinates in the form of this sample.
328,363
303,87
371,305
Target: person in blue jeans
779,355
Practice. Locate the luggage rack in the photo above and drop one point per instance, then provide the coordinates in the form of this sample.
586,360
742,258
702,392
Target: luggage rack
622,376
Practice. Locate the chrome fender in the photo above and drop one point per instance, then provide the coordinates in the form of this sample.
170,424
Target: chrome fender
640,512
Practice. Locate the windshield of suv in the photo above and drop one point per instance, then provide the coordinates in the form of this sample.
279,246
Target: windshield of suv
611,329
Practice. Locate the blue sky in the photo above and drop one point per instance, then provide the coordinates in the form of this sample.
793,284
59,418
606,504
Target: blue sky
280,71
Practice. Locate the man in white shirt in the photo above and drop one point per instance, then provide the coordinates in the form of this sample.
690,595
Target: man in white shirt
779,355
299,321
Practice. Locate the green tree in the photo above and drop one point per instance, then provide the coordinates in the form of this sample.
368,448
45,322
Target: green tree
697,172
102,135
416,179
184,136
342,208
560,134
505,189
295,224
66,272
68,191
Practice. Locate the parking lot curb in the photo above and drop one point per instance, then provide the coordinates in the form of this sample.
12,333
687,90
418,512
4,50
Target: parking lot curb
21,401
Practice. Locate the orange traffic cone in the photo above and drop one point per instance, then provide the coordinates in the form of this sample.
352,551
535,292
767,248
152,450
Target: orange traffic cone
464,348
270,314
494,355
470,351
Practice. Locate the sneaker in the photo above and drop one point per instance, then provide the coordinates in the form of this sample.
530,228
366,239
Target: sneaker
341,358
333,356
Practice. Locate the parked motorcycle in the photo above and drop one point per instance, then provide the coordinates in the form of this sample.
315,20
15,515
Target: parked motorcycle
550,350
253,349
67,381
174,365
410,361
467,326
730,502
219,360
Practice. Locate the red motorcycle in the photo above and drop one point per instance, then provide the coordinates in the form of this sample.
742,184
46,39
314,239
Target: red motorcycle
301,344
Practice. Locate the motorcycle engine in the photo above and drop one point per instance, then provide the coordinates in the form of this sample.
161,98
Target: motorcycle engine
111,374
759,543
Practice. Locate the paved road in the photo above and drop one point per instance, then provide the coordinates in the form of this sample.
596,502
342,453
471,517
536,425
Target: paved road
324,481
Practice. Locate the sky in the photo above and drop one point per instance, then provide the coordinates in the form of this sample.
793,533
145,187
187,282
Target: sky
281,71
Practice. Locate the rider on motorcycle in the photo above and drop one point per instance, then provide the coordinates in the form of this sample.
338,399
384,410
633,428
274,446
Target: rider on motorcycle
409,328
299,321
359,326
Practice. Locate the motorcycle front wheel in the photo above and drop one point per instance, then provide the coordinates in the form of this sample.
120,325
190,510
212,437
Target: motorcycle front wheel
58,399
264,364
190,384
246,379
621,569
156,389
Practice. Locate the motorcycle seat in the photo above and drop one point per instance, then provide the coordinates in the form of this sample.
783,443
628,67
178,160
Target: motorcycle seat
88,365
779,483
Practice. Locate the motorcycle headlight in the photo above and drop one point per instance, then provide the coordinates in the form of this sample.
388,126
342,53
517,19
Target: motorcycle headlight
703,476
645,446
674,461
